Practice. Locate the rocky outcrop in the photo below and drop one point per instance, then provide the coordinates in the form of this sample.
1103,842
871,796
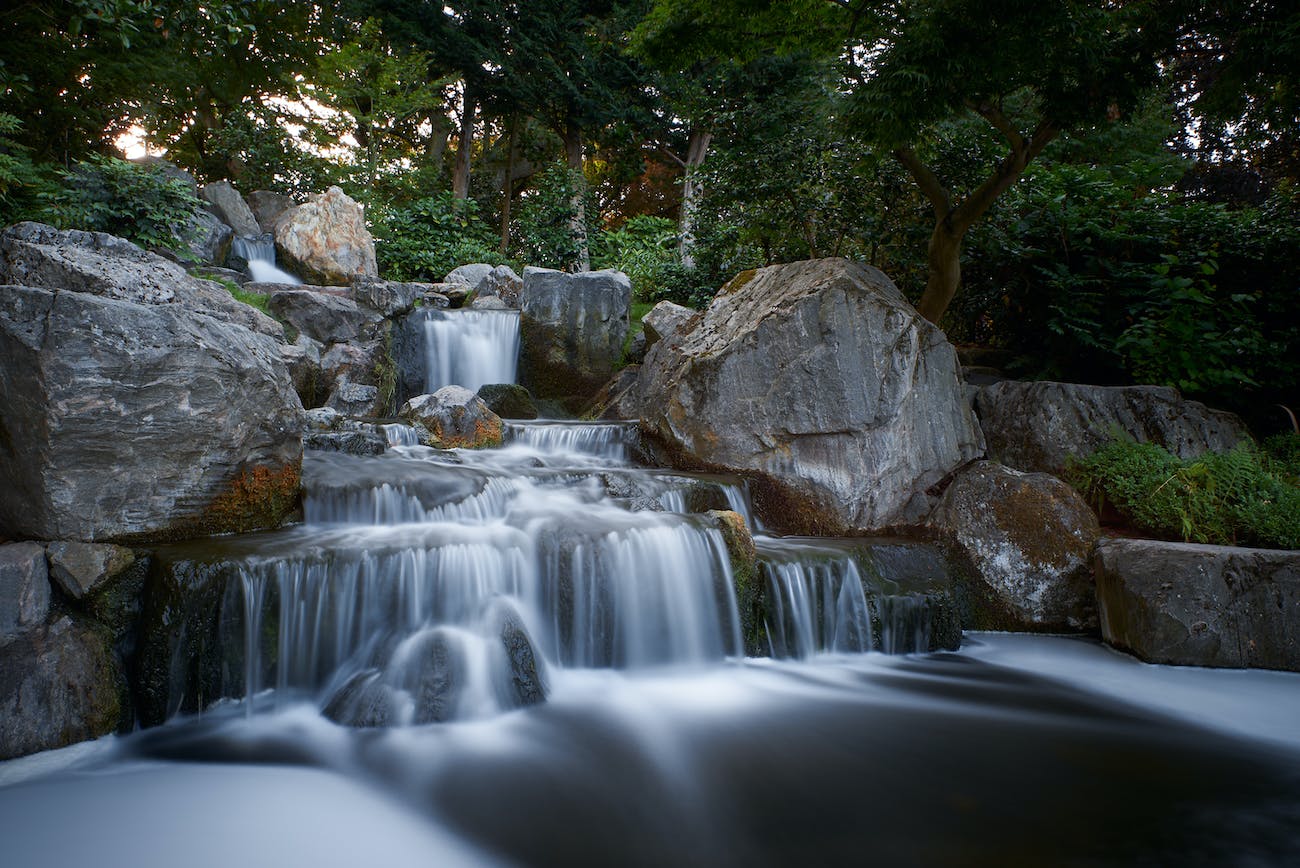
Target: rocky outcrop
210,239
666,319
501,282
268,207
138,419
324,317
572,329
94,263
24,589
822,383
509,401
1038,426
1029,538
454,418
325,240
488,302
1200,605
390,298
58,685
79,569
356,399
225,201
620,398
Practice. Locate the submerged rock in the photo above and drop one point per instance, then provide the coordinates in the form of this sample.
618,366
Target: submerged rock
325,240
1200,605
24,589
820,380
525,685
363,701
438,674
455,418
1039,426
571,331
1029,537
58,686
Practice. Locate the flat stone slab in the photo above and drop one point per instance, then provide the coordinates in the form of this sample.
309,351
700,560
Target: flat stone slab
1200,605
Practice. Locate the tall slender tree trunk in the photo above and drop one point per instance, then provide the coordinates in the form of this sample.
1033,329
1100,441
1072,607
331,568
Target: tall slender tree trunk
944,261
508,185
578,206
465,150
696,150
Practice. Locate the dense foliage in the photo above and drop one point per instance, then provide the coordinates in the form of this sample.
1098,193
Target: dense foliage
1242,497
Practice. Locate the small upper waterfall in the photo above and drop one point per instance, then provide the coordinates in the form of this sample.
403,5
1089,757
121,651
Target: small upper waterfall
614,440
259,253
470,348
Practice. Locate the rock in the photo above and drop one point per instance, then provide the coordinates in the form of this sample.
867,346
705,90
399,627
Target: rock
303,359
33,254
526,686
455,418
455,293
1038,426
212,272
739,541
1029,537
389,297
211,238
324,317
503,283
819,380
268,207
24,589
350,442
226,203
322,419
363,701
356,399
439,677
572,329
469,275
620,397
325,240
1200,605
665,319
80,569
508,400
636,349
171,171
194,420
358,363
58,686
488,302
435,299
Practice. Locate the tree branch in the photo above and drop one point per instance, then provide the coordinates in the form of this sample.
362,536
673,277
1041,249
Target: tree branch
1009,169
993,114
929,183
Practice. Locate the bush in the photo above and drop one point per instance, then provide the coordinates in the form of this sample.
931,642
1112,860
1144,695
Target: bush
542,230
139,203
645,247
1241,497
429,237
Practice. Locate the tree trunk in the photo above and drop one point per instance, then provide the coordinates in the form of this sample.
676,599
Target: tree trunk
944,261
697,148
460,180
508,186
578,207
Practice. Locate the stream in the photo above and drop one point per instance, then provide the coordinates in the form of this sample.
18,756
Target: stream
541,655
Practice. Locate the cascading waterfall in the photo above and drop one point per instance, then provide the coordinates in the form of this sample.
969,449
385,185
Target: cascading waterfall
613,440
470,348
259,253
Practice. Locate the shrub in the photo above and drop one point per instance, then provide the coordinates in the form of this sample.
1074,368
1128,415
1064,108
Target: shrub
427,238
645,247
542,230
1241,497
139,203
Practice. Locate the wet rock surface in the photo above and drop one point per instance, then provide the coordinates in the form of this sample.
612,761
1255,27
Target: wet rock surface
455,418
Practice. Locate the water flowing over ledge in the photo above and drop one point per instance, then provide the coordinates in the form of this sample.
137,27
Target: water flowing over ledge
470,348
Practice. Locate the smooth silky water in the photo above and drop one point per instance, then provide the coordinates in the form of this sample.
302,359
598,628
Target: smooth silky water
370,686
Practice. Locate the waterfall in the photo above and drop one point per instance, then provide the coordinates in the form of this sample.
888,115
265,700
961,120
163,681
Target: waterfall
613,440
400,435
259,253
470,348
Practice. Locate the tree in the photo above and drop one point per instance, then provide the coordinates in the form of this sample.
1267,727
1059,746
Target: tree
1027,71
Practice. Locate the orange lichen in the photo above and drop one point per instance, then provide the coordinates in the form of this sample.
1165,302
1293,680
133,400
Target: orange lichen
259,497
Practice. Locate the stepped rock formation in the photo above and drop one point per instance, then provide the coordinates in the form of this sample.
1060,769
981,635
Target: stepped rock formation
820,380
325,240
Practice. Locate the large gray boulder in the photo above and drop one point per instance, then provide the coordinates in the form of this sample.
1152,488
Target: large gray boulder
58,686
469,275
667,318
33,254
325,240
1029,538
24,589
136,420
389,297
210,239
323,316
502,282
819,381
225,201
1038,426
571,331
268,207
1200,605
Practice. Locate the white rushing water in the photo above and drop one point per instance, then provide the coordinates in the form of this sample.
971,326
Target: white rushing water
470,348
259,253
